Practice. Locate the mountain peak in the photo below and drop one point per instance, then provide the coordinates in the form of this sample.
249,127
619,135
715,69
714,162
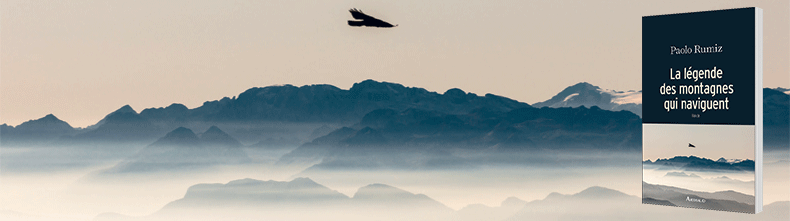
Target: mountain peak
47,118
125,109
304,181
588,95
242,182
383,194
454,92
377,190
554,195
366,84
585,85
181,136
214,130
47,123
582,93
457,96
50,118
181,132
599,192
783,90
372,86
216,136
176,106
123,114
513,202
298,182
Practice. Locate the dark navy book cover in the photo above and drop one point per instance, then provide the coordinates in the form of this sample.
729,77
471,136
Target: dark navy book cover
702,100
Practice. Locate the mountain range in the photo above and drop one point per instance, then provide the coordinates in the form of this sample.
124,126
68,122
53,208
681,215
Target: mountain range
416,138
506,209
282,105
783,90
293,199
694,163
674,196
292,114
304,199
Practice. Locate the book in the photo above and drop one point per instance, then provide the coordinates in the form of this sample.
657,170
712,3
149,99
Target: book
702,110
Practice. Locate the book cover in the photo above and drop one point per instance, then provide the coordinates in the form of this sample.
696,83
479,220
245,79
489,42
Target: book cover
702,110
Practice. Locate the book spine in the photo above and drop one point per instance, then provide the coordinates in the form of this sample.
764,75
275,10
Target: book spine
758,107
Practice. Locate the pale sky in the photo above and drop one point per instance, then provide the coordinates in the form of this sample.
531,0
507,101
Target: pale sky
80,60
711,141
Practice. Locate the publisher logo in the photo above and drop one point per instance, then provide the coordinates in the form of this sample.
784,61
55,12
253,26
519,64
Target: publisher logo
695,200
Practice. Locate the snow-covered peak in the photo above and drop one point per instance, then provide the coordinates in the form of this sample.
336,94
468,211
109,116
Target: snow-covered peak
588,95
570,97
620,97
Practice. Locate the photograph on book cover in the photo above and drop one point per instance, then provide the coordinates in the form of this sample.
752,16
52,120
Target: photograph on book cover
699,166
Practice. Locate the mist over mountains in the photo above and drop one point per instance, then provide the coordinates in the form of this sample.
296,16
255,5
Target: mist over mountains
122,125
298,199
414,138
304,199
182,149
776,119
284,105
675,196
290,115
38,131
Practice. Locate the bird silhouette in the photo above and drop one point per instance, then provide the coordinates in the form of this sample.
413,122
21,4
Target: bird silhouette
692,145
367,20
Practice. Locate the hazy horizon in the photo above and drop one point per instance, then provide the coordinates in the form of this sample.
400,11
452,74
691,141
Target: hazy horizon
80,60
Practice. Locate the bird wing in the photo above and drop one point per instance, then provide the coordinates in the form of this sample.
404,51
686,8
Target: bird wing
380,23
357,14
367,20
355,23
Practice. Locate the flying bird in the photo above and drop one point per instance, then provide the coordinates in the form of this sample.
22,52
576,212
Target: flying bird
692,145
367,20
